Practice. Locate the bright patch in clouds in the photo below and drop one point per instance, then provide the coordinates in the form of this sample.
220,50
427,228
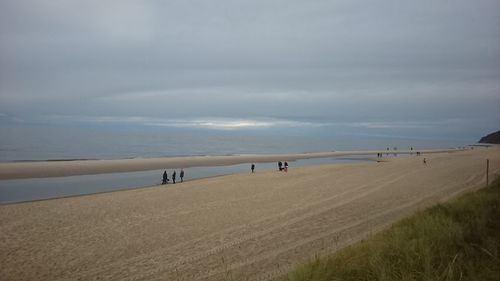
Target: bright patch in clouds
221,124
198,123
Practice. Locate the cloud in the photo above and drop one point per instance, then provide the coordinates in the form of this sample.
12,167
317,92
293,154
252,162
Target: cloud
248,62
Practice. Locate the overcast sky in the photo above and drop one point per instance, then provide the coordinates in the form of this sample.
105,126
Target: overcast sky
250,64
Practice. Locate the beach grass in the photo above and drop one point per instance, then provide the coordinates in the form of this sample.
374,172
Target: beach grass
457,240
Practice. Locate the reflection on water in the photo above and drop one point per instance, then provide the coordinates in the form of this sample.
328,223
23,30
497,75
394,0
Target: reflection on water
45,188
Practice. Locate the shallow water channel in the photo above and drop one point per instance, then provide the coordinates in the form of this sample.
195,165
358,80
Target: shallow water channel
21,190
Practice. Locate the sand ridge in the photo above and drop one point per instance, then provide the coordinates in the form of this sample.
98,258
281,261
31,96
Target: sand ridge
254,226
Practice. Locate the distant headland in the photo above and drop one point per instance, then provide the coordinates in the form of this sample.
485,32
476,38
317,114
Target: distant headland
491,138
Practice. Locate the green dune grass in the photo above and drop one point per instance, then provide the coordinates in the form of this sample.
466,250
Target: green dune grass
458,240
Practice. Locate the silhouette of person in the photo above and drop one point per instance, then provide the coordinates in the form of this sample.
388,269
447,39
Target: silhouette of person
182,175
173,177
165,178
280,165
253,167
425,161
286,166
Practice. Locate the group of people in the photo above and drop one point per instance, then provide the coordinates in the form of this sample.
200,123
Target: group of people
380,155
283,166
165,179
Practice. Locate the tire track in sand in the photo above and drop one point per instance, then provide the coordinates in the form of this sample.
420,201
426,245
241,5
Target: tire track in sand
264,226
315,237
215,252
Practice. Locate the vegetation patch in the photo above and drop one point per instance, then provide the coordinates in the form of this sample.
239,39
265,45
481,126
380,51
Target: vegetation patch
458,240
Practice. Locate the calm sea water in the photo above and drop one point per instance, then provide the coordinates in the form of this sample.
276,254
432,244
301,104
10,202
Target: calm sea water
38,143
49,143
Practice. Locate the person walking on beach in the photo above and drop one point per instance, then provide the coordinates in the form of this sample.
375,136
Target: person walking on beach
286,166
173,177
280,165
425,161
182,175
253,167
165,178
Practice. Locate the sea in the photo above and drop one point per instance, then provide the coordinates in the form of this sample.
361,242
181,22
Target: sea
41,143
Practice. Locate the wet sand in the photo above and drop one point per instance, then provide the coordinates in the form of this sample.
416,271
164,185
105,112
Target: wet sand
246,226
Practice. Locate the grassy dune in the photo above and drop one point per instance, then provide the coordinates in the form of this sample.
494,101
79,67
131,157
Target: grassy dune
459,240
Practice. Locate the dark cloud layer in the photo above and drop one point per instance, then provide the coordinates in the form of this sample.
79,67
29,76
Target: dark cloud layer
323,61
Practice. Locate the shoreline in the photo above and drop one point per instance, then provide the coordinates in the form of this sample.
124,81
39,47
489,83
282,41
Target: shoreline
62,168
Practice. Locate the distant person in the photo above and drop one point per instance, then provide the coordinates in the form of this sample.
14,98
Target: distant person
411,150
286,166
165,178
253,167
387,154
182,175
280,165
173,177
425,161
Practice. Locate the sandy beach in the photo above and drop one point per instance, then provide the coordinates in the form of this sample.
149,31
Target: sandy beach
241,226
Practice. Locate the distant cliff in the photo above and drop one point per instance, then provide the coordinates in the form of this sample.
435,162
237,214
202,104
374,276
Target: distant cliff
491,138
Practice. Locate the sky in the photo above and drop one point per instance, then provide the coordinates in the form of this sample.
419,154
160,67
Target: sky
378,67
